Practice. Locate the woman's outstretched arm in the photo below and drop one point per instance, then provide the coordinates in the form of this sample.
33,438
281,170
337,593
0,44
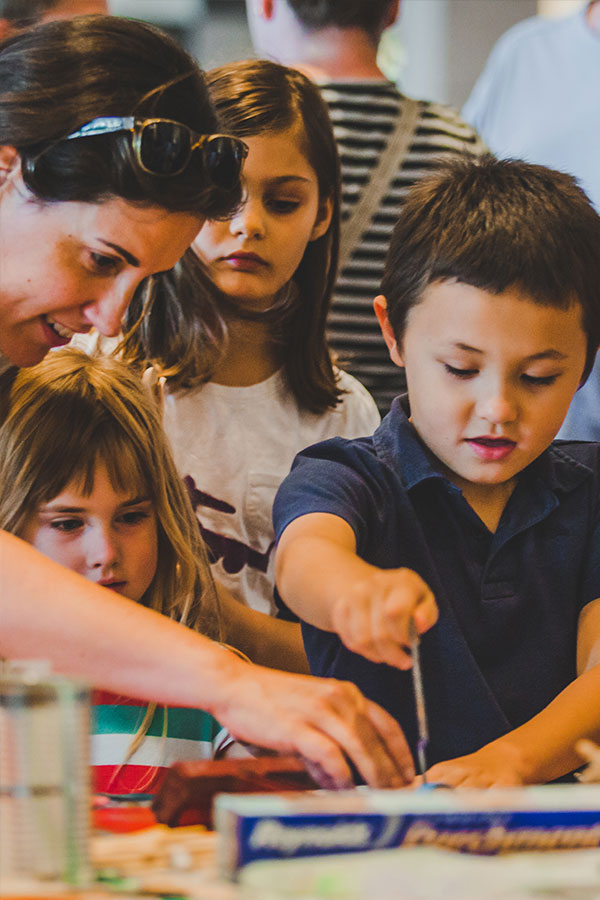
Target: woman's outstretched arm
89,632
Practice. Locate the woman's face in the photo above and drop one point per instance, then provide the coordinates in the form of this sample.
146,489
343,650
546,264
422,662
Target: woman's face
67,267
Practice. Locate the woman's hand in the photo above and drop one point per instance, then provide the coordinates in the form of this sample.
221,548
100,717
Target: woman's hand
327,722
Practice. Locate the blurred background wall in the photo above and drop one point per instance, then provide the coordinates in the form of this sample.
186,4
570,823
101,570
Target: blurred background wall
435,51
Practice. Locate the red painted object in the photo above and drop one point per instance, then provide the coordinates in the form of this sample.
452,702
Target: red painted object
189,787
123,818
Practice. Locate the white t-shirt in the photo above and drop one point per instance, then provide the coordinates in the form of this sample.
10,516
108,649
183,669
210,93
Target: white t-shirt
538,98
234,446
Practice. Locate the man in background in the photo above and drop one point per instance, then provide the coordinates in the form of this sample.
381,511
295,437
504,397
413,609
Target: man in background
18,14
386,143
538,98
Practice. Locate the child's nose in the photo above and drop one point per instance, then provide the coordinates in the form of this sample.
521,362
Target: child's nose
102,549
498,406
248,221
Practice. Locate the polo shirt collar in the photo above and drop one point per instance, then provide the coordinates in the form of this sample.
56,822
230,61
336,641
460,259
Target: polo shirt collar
399,446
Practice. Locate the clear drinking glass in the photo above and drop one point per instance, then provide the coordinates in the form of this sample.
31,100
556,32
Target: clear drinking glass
44,775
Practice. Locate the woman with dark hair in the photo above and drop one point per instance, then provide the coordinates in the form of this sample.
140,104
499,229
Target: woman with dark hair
108,167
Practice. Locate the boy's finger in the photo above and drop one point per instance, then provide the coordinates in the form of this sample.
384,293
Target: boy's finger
392,653
426,612
383,650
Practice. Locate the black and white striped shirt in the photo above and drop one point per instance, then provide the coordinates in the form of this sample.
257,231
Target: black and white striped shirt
364,113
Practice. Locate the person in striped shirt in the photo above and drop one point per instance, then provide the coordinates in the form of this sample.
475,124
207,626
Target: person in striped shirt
335,43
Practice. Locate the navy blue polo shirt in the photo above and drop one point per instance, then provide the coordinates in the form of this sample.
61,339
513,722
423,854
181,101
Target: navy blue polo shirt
505,642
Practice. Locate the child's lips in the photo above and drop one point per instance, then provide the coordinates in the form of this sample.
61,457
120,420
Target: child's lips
113,585
245,261
492,448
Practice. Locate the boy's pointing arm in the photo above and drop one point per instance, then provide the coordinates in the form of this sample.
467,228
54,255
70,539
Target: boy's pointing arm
321,578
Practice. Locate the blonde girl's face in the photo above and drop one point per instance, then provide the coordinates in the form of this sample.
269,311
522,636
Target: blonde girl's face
255,253
109,537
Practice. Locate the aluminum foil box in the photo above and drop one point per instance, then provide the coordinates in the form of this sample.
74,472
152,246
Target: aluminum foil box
255,827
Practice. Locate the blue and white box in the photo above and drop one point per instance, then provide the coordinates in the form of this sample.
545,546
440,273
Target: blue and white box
255,827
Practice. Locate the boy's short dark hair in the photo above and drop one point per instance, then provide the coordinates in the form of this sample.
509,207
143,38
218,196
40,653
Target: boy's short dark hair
367,14
498,224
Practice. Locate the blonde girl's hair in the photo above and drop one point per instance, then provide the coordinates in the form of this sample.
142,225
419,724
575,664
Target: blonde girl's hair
181,325
71,412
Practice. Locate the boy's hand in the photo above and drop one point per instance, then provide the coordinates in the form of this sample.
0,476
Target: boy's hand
495,765
374,615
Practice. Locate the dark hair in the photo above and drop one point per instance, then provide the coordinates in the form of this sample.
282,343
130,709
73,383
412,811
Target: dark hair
496,225
366,14
58,76
23,13
185,333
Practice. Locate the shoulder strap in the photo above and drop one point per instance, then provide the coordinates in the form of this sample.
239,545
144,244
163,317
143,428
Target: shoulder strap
374,190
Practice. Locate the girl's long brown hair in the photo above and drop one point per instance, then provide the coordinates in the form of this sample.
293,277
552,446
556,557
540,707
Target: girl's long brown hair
181,326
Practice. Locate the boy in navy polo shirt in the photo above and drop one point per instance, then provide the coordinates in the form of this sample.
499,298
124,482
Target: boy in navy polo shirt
460,512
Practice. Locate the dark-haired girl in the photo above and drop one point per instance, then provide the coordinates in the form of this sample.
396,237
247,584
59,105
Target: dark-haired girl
250,378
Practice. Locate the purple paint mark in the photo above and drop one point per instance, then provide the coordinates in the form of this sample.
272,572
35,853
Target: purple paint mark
235,554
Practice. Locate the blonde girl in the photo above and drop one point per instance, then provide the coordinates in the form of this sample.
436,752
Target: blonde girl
88,479
250,378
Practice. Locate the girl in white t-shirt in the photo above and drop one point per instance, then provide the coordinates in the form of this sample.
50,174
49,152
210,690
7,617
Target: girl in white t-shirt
250,380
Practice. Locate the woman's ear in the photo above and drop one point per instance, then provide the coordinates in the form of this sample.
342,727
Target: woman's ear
380,307
323,220
9,161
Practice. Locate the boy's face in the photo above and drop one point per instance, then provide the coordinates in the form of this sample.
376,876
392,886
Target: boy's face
490,377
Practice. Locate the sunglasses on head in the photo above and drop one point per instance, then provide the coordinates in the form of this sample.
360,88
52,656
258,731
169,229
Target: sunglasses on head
164,147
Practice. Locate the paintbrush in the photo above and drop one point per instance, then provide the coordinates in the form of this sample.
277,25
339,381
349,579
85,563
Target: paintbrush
419,701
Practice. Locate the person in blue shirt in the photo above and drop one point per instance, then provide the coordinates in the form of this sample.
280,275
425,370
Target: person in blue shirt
460,512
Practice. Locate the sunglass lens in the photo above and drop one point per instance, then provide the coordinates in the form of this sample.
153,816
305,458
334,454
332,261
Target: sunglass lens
164,148
223,158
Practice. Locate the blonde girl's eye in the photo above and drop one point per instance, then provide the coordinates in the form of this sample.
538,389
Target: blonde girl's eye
134,516
66,525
